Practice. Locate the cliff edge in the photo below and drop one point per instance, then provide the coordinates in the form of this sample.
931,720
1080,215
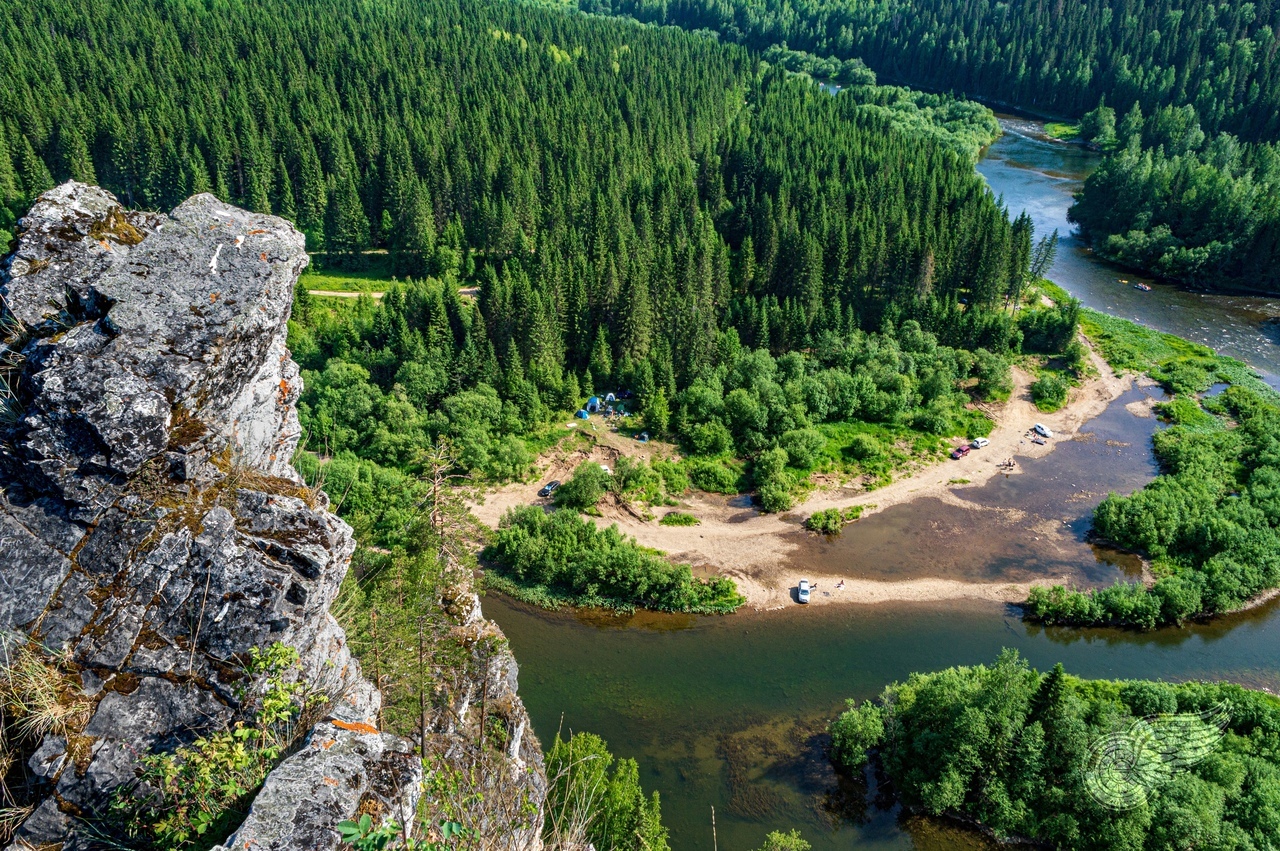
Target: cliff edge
152,530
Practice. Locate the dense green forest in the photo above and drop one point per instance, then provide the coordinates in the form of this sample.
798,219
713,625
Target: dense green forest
1060,57
1177,203
1020,753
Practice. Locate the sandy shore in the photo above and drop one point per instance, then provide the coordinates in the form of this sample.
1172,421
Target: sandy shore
754,549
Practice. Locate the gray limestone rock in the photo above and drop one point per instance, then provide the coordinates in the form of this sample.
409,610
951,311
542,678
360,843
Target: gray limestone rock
152,530
346,767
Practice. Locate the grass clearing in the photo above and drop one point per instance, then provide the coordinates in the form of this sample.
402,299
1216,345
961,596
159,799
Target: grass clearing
1063,130
1180,365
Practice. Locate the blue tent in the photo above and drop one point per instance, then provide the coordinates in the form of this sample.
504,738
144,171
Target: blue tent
593,404
582,415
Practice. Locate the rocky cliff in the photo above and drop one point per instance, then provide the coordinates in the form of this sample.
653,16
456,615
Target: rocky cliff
152,530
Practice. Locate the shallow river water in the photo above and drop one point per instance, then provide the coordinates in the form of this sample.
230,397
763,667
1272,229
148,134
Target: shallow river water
729,712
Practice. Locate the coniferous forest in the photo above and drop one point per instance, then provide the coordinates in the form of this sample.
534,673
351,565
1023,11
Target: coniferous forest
1185,94
1059,57
776,283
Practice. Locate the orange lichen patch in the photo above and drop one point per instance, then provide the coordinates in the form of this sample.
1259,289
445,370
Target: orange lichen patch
284,392
329,781
356,727
106,245
213,297
263,256
256,231
325,744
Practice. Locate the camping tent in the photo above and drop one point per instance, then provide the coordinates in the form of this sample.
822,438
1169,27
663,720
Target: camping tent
593,404
582,415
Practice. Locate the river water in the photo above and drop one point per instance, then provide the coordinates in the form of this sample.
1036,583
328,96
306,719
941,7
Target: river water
1039,176
728,712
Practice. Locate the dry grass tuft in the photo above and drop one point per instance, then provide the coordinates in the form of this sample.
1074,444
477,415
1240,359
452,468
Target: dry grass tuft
37,694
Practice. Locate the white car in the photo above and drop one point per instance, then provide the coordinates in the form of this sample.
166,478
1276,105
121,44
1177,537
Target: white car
979,443
1042,430
802,594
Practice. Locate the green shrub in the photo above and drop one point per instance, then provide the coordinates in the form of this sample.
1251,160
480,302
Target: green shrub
678,518
775,498
1049,392
712,476
864,447
711,438
583,790
803,446
675,480
562,558
196,792
789,841
830,521
585,487
857,730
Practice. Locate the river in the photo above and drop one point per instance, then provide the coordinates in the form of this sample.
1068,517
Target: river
1039,176
729,712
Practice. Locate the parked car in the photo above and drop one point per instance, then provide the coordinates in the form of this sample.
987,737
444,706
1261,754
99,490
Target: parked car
802,594
959,452
979,443
1042,430
549,488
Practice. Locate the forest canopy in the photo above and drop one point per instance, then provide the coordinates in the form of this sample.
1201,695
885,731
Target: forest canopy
1014,750
1060,57
1172,201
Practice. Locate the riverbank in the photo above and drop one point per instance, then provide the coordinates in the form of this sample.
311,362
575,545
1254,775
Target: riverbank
736,540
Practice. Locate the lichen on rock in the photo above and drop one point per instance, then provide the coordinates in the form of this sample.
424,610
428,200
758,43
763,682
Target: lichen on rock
152,529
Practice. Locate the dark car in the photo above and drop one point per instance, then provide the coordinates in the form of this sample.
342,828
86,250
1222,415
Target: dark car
549,488
959,452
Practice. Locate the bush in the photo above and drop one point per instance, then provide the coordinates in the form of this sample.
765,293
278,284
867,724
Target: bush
678,518
711,438
582,791
563,558
830,521
585,487
857,730
790,841
803,446
775,498
863,447
196,792
712,476
674,478
1049,392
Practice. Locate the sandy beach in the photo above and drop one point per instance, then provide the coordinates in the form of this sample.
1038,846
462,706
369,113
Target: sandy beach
736,540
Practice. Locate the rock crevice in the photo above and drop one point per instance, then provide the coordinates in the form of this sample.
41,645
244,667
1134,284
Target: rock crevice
152,529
